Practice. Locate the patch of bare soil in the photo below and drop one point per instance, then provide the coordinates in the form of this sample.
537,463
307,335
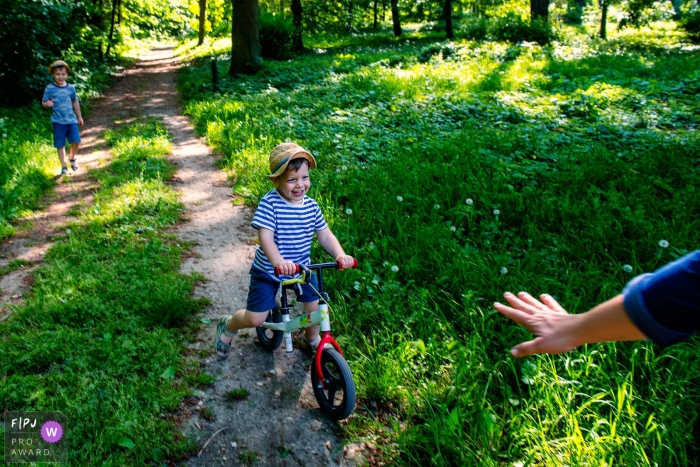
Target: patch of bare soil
279,423
37,231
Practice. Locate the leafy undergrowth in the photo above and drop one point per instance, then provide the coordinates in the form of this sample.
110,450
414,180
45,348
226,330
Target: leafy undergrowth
102,331
28,161
455,171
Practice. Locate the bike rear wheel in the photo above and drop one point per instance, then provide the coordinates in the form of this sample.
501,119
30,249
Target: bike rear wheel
337,398
270,340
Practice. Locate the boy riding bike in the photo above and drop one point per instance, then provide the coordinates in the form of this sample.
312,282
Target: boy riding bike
286,220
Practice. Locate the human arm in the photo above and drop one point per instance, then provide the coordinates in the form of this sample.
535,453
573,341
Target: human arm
47,103
267,243
557,331
76,108
330,243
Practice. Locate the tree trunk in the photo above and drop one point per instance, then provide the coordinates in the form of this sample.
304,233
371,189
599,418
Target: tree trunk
603,19
297,41
375,14
395,17
202,20
448,20
111,28
539,9
245,41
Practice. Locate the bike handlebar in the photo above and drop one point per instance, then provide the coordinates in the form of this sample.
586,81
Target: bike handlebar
299,268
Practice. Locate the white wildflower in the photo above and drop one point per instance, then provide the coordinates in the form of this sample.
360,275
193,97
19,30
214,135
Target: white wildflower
399,199
345,167
504,270
348,211
385,263
337,171
69,231
469,201
395,268
627,268
453,228
663,243
436,206
496,212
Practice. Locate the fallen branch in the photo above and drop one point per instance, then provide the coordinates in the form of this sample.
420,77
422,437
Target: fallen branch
212,437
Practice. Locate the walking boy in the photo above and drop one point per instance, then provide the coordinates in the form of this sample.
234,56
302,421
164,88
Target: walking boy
286,220
61,97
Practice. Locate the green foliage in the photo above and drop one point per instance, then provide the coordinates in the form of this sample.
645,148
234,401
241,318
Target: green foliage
474,29
28,162
691,25
32,35
573,15
275,36
452,180
237,394
513,28
100,336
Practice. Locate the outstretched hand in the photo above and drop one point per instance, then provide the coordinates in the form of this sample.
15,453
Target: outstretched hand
554,328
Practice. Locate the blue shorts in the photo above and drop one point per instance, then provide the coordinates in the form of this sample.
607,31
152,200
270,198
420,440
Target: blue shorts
263,290
61,131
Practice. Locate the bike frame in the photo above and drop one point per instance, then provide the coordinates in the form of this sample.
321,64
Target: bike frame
306,320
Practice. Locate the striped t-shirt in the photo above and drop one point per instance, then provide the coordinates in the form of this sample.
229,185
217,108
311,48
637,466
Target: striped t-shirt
294,226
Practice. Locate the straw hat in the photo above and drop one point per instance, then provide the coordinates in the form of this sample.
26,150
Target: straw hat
58,63
283,154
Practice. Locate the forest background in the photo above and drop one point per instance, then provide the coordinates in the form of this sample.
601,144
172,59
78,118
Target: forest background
466,148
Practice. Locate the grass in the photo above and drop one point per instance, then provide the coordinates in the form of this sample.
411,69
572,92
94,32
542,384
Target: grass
237,394
103,329
457,172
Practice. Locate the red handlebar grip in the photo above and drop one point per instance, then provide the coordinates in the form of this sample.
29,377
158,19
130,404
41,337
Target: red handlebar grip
279,273
354,263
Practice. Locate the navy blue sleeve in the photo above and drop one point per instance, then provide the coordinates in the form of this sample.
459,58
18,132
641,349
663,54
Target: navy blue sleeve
665,305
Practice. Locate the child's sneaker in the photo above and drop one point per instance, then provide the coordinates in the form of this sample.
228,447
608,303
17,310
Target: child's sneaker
309,346
222,350
64,171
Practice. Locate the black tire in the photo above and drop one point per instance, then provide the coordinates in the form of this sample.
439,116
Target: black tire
270,340
337,400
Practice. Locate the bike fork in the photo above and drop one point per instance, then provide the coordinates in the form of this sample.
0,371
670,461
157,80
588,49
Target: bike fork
326,338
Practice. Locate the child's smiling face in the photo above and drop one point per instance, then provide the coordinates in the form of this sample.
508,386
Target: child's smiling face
293,184
59,76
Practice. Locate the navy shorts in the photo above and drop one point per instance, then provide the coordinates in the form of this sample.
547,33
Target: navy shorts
263,290
61,131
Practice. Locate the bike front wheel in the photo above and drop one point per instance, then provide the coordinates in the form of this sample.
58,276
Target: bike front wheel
270,340
337,397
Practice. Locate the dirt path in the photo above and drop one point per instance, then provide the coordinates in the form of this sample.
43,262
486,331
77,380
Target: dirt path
279,423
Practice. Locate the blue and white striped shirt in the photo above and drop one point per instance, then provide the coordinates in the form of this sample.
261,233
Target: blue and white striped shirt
294,226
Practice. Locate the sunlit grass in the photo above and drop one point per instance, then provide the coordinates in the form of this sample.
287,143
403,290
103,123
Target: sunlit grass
473,168
103,329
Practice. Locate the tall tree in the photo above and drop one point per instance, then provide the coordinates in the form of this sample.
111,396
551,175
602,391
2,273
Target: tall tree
395,17
202,20
245,39
375,14
448,20
297,41
603,18
539,9
111,28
